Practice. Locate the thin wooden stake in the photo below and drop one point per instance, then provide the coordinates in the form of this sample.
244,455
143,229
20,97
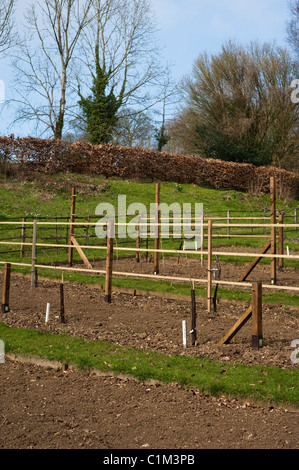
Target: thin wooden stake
138,241
157,230
6,288
23,237
237,326
202,240
33,258
257,324
72,220
273,229
210,228
62,317
193,318
146,247
109,261
87,233
256,260
80,251
280,243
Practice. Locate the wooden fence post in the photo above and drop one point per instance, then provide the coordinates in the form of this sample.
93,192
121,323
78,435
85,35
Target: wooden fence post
23,237
228,222
202,240
273,229
280,243
72,220
33,258
157,230
87,233
257,324
210,228
6,288
264,222
56,233
109,261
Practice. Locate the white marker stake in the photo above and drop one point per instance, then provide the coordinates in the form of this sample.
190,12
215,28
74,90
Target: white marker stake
288,251
184,324
47,314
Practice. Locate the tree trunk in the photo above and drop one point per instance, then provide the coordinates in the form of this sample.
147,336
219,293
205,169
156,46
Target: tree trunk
60,119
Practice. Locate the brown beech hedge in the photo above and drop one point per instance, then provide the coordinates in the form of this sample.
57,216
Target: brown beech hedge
52,156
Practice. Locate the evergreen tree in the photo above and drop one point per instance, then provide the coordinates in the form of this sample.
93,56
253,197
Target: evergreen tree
100,109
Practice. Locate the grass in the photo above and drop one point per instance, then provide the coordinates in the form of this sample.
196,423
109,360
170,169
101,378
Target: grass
211,377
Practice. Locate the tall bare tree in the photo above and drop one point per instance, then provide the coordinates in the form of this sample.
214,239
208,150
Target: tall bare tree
45,60
7,38
121,43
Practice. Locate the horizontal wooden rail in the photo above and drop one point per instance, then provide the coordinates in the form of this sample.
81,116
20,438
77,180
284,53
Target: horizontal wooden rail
154,276
170,224
152,250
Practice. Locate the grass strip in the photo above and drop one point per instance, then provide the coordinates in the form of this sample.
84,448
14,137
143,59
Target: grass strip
260,383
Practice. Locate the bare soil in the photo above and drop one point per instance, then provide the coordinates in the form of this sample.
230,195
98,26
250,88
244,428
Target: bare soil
48,409
42,408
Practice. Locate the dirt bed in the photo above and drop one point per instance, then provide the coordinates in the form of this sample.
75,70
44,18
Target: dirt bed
152,323
41,408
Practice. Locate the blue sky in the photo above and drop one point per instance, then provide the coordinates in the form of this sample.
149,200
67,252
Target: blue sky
189,27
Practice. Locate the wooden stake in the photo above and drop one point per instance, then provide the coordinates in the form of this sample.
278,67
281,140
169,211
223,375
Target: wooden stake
62,302
138,241
157,230
280,243
237,326
33,258
72,220
6,288
109,261
273,229
256,260
87,233
202,240
193,318
23,236
80,251
210,227
35,277
146,247
257,326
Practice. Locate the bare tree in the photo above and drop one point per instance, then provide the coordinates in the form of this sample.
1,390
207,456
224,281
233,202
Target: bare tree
6,25
121,38
45,59
134,130
293,27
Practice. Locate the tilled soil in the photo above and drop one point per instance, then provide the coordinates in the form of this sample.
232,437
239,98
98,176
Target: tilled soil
43,408
153,323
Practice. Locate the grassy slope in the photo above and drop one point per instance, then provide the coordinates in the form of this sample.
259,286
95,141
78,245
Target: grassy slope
50,196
